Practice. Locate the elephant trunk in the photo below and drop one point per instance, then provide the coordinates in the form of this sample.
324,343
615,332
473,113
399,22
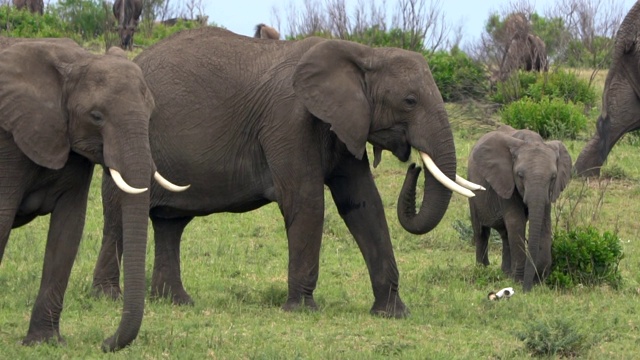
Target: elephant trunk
594,154
135,210
136,167
439,146
534,269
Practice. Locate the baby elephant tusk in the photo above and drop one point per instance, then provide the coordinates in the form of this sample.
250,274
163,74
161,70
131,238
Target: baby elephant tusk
168,185
117,178
443,179
468,184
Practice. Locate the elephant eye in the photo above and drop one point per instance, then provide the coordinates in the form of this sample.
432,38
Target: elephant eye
520,174
410,101
97,117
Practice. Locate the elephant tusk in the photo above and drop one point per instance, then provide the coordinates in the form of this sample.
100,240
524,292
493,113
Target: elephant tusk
117,178
468,184
167,184
443,179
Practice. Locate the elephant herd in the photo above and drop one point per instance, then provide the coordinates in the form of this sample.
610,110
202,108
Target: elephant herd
241,122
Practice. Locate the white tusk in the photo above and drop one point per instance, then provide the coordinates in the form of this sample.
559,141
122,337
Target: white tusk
443,179
468,184
168,185
123,184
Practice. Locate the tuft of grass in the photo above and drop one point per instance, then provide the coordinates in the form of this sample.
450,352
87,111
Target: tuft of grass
557,337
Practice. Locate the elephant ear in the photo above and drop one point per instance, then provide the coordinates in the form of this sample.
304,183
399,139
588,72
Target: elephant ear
493,157
31,101
329,80
564,168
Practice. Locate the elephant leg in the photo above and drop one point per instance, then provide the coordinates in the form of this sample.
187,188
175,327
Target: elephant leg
506,251
360,206
515,225
65,231
481,240
303,212
166,281
106,275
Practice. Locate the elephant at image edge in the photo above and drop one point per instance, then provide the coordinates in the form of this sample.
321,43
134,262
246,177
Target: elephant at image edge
620,104
266,32
523,175
278,125
127,13
62,109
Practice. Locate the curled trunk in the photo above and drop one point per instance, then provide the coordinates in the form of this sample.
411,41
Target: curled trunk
435,200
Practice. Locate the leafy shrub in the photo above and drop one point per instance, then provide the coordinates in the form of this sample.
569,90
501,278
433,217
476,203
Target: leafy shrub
159,32
22,23
514,87
583,256
87,18
457,75
557,338
559,84
551,118
564,85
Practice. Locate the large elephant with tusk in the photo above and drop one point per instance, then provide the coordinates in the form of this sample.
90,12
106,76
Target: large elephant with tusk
62,110
249,122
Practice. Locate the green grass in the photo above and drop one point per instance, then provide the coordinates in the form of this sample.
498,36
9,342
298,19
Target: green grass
234,266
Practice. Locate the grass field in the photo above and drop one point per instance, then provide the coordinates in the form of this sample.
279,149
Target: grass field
234,266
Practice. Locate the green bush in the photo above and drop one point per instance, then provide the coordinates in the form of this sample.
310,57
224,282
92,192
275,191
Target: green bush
514,87
557,338
583,256
159,32
551,118
457,75
559,84
564,85
87,18
22,23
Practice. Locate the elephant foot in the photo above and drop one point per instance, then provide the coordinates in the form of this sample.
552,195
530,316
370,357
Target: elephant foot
394,308
178,297
43,337
109,291
296,304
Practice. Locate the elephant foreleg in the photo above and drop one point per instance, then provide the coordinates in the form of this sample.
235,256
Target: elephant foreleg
360,206
167,281
106,275
515,224
63,240
506,251
303,212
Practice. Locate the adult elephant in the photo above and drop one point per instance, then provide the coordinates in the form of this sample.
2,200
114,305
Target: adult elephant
522,49
620,104
62,109
34,6
127,13
266,32
523,175
250,122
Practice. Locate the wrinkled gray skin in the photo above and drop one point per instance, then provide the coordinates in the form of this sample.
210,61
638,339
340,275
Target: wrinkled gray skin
620,102
250,122
127,13
62,109
266,32
34,6
523,175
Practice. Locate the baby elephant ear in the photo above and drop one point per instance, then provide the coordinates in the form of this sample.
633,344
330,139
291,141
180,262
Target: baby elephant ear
493,157
564,168
32,102
329,80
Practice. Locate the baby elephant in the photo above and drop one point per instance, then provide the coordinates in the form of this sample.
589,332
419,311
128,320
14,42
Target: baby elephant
523,175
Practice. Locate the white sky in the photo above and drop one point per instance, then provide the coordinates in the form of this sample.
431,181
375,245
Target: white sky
241,16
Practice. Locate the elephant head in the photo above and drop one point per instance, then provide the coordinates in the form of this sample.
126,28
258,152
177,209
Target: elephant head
386,97
620,103
521,168
127,12
266,32
57,98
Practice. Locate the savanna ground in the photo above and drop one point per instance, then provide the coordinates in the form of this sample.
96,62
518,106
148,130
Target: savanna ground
235,268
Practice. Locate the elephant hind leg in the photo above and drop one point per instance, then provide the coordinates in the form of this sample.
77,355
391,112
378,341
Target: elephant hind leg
166,281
